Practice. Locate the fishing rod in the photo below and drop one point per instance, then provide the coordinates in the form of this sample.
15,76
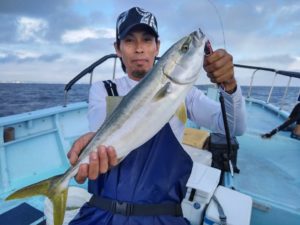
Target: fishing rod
209,50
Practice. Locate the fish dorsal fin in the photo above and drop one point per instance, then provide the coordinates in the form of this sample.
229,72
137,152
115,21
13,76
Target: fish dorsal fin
111,104
181,113
161,93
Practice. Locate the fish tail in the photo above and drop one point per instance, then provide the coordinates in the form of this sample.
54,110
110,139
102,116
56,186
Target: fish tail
54,188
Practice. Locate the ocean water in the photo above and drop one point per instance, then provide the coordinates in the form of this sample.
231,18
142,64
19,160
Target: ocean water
19,98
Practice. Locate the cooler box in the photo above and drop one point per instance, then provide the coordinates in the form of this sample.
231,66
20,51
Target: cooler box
201,186
237,208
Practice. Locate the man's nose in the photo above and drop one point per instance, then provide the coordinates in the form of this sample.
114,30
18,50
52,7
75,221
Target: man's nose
139,48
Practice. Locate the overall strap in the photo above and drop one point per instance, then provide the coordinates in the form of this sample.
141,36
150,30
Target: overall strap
111,88
134,209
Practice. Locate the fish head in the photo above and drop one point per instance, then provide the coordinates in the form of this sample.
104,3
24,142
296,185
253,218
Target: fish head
184,59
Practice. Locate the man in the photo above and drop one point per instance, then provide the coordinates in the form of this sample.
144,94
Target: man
148,186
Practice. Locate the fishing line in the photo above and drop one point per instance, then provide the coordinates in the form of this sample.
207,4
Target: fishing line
220,21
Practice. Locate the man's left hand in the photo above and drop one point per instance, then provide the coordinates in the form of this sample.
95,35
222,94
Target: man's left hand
220,69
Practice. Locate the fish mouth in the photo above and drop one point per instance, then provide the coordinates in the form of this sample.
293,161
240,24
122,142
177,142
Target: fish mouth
198,36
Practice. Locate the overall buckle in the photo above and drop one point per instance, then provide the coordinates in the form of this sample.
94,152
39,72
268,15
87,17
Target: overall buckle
122,208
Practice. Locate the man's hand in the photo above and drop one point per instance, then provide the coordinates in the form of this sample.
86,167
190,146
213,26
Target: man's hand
100,161
220,69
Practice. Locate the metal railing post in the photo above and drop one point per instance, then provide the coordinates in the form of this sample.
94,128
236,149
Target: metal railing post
114,70
271,91
251,83
285,93
65,98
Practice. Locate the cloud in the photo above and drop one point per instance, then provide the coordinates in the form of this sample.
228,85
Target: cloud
31,29
76,36
294,66
51,17
27,57
275,61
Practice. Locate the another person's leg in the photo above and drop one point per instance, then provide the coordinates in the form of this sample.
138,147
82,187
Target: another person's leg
287,123
293,117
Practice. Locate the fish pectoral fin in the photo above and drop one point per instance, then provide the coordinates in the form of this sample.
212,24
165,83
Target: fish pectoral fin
181,113
50,188
111,104
163,92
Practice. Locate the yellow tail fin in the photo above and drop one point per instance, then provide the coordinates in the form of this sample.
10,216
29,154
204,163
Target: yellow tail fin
51,188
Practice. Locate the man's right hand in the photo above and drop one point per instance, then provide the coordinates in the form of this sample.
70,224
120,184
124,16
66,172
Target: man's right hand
100,161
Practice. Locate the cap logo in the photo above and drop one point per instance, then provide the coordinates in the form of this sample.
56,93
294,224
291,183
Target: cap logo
147,18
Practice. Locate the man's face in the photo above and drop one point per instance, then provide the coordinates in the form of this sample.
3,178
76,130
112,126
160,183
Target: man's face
138,50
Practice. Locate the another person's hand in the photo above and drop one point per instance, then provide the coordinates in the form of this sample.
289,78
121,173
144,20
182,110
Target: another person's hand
220,69
100,161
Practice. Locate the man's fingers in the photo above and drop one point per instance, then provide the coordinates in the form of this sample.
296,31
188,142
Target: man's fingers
102,152
73,157
112,156
82,173
99,163
93,166
78,146
219,64
81,142
224,75
220,69
215,56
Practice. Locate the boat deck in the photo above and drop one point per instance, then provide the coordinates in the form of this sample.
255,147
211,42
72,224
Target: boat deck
269,167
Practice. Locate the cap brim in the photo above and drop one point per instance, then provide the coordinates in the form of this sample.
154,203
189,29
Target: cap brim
142,26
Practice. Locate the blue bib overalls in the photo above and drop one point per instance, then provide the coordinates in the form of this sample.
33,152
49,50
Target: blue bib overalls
154,173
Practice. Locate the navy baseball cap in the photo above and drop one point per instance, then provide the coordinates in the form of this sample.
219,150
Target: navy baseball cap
135,17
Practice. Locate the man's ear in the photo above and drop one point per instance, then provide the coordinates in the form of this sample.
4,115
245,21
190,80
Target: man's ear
117,49
157,47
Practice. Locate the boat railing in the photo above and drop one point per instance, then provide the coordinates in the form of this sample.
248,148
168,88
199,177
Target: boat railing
290,74
89,70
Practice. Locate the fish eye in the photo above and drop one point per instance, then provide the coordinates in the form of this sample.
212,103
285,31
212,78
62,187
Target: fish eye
185,48
186,45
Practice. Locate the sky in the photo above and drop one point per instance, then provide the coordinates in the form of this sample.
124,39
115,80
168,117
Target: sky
51,41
